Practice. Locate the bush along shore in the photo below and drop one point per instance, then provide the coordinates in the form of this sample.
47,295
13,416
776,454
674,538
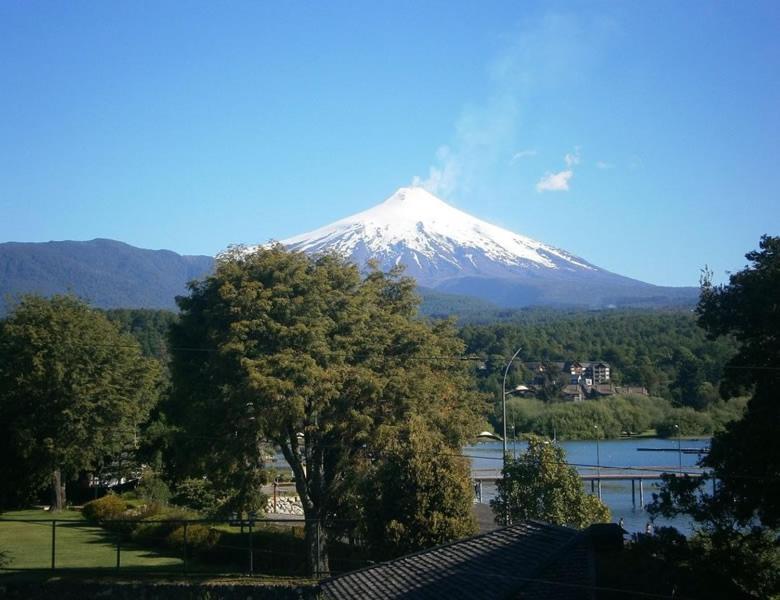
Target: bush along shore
618,416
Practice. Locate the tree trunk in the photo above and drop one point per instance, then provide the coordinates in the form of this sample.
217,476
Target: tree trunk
58,491
308,484
317,561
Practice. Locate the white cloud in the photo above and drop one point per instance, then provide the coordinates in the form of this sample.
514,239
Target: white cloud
522,154
600,164
559,182
555,182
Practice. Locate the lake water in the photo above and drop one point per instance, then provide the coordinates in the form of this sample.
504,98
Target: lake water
486,461
614,456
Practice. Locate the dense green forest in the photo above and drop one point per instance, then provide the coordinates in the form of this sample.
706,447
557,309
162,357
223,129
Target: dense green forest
148,326
665,352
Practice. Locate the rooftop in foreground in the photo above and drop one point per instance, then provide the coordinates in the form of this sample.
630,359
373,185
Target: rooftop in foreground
527,560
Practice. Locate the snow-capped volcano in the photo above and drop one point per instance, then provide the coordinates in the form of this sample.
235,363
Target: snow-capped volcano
448,249
415,225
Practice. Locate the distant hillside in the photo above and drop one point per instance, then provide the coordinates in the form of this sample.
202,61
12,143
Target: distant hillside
106,273
114,275
110,274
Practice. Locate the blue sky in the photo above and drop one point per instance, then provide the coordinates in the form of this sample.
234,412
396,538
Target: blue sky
642,136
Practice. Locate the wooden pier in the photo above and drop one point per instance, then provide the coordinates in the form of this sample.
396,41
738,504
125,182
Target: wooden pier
637,479
676,450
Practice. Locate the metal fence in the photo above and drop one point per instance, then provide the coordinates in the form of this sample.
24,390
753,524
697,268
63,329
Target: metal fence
251,546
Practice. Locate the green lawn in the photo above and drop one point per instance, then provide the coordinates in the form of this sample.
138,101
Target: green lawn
278,550
78,544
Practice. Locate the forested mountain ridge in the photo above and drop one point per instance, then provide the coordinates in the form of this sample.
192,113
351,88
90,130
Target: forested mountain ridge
112,274
105,273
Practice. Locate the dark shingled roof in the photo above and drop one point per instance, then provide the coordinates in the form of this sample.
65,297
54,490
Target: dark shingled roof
525,560
568,575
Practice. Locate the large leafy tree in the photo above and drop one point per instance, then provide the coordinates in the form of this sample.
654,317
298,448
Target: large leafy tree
73,391
539,484
737,525
746,457
308,355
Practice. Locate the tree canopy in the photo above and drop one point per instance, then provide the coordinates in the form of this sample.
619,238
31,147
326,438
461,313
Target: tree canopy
664,351
737,525
417,493
148,326
310,356
73,391
746,457
539,484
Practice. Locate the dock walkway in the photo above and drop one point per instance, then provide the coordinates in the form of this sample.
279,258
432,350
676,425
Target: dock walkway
636,475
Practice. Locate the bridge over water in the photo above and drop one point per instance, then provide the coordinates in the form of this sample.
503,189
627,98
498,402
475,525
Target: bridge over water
636,475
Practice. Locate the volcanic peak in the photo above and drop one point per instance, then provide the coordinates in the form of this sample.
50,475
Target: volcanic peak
415,223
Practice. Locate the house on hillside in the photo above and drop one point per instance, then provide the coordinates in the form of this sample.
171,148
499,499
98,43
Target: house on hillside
597,372
574,392
632,390
578,380
574,368
602,390
575,372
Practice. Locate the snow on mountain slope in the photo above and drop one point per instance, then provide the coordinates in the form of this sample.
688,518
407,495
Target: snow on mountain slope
446,249
415,227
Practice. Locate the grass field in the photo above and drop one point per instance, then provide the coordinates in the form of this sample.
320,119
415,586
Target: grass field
78,544
273,550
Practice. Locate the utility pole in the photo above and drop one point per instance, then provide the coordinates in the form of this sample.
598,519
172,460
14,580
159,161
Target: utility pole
503,408
598,461
679,449
503,402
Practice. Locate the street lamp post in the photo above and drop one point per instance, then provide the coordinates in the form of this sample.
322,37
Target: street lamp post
503,424
503,401
679,448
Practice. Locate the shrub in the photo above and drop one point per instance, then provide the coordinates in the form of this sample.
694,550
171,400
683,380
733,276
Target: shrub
689,421
112,512
200,538
155,529
107,508
616,415
145,511
197,494
723,412
153,488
